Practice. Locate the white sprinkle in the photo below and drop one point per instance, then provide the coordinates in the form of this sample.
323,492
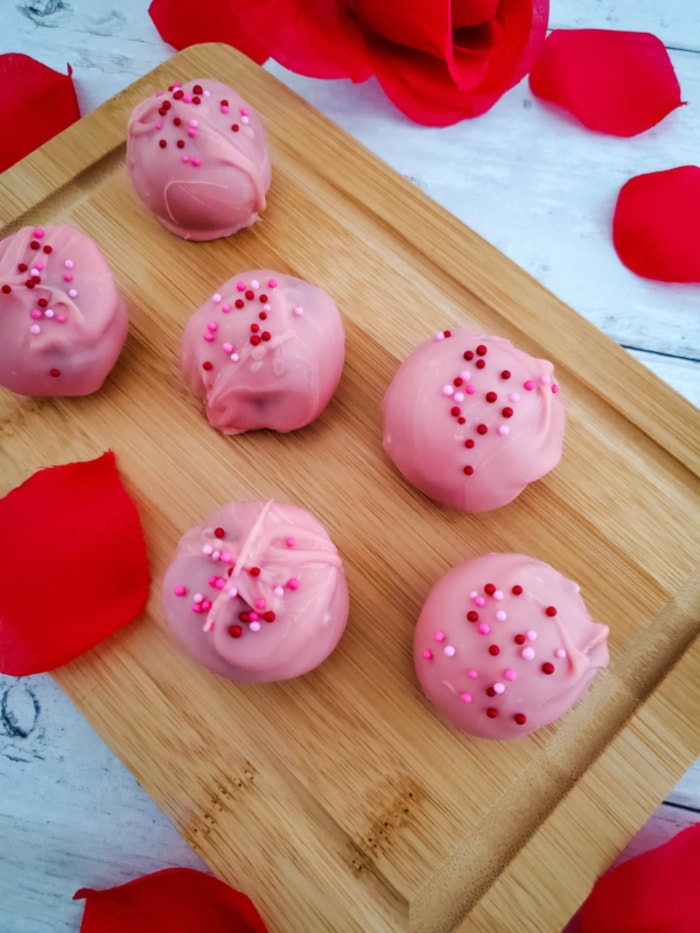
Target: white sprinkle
278,591
459,397
207,549
528,653
450,651
448,390
35,329
255,626
255,284
49,313
72,293
216,298
234,357
498,688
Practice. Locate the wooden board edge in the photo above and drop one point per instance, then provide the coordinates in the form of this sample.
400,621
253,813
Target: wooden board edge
542,885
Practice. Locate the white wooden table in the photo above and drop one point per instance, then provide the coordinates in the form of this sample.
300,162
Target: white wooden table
539,188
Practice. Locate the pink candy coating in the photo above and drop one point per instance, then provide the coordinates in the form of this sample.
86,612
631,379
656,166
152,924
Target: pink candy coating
213,186
515,439
309,619
72,359
283,374
539,680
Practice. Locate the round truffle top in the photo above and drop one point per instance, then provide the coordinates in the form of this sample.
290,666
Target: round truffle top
504,645
197,157
265,351
471,420
63,322
257,592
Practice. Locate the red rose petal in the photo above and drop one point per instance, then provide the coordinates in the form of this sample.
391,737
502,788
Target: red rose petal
656,224
176,900
481,64
35,104
320,40
73,564
657,890
621,83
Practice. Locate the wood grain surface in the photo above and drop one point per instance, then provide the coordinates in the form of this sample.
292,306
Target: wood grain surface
338,800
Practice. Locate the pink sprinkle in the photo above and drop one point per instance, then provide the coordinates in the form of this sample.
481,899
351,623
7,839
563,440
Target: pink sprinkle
531,635
225,308
483,628
212,581
528,385
501,615
209,337
498,688
196,607
260,603
479,601
472,674
159,126
291,542
212,325
448,390
298,311
68,277
186,98
224,108
427,655
39,266
253,616
191,132
185,159
278,591
509,674
254,626
61,318
465,697
449,651
38,233
244,112
470,389
36,314
35,329
226,557
439,636
69,263
206,605
528,653
180,591
220,583
555,388
227,347
194,124
272,283
292,583
215,555
240,286
503,430
560,653
159,93
196,162
72,293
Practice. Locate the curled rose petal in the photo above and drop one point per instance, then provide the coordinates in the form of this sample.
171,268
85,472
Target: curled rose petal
621,83
656,224
179,900
319,40
36,102
657,890
73,564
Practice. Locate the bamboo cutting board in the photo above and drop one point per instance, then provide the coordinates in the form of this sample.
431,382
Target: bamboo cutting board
338,801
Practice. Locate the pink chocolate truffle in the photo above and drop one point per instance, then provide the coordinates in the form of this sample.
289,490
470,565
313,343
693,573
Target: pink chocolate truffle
504,645
63,322
470,420
265,351
197,157
257,592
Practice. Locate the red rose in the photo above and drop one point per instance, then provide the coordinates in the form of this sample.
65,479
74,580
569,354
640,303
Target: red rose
438,62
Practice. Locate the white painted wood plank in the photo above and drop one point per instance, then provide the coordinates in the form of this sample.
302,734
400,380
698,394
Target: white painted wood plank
676,24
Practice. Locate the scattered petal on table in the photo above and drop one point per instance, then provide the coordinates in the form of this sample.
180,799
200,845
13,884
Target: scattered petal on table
176,900
73,564
656,224
655,891
35,104
614,82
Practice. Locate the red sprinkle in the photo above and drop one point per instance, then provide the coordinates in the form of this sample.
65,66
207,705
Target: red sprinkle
468,354
494,650
469,470
507,412
255,340
505,374
34,244
54,372
177,121
263,299
517,590
250,294
455,410
43,302
254,571
482,429
520,718
235,631
239,303
547,667
473,615
198,89
481,350
469,443
219,532
266,335
492,712
490,692
180,144
269,616
22,267
263,315
162,143
6,289
179,94
207,365
491,397
519,639
480,364
48,249
244,616
235,127
551,611
489,589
